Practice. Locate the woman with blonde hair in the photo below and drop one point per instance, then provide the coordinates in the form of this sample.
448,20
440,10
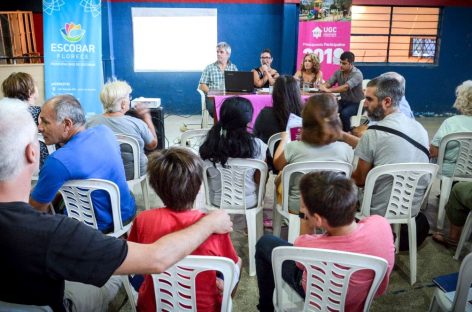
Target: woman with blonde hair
116,100
458,123
321,129
310,71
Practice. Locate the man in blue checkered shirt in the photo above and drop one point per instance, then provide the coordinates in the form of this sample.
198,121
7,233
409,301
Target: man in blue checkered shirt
213,75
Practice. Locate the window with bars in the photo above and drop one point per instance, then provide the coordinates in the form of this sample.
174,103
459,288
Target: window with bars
393,34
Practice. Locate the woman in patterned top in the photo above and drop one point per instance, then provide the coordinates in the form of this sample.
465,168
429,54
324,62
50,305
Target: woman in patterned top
21,86
310,71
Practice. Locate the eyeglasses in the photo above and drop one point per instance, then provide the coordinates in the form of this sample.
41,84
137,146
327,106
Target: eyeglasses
266,57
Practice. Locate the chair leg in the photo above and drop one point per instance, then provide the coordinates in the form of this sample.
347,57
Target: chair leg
145,191
276,220
293,227
131,297
446,185
254,231
396,230
464,236
205,117
413,247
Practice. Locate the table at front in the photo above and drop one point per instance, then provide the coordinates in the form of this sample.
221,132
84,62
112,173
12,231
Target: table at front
258,101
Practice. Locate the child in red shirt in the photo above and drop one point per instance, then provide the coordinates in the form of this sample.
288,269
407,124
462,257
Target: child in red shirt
176,175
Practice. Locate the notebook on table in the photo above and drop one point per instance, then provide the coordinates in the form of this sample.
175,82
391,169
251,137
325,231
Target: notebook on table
239,81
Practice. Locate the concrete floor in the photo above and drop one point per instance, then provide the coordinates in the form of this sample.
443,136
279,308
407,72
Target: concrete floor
433,259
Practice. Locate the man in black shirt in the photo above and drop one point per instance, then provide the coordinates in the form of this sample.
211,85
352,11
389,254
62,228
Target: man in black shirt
41,251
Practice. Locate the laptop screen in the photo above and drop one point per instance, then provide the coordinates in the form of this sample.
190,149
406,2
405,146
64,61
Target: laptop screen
239,81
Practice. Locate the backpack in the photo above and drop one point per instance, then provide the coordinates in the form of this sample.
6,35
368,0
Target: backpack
422,230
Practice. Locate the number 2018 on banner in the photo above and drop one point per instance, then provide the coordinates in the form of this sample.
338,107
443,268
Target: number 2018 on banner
332,56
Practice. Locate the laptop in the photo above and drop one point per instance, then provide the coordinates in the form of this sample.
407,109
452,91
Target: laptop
239,81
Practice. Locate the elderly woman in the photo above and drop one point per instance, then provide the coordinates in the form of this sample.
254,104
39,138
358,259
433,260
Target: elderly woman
116,99
21,86
265,75
310,71
458,123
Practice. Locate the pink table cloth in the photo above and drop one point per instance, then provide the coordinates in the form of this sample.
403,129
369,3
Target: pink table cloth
258,101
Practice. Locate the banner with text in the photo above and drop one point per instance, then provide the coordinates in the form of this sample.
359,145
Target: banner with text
324,29
73,51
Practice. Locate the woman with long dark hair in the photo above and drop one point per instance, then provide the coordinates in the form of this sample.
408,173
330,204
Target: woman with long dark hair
286,99
229,138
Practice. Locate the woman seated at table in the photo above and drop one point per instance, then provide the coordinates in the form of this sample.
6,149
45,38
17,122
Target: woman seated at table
458,123
116,100
229,138
286,99
321,128
310,74
265,75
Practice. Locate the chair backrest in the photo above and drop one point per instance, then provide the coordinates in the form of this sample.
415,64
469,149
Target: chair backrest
309,166
15,307
77,195
328,275
404,187
51,148
129,144
202,98
364,84
463,167
463,285
193,138
175,289
233,182
273,140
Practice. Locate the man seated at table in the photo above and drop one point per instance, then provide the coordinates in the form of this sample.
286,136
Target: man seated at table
349,84
213,77
86,154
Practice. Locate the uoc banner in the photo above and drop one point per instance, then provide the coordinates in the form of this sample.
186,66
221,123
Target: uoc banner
324,29
73,51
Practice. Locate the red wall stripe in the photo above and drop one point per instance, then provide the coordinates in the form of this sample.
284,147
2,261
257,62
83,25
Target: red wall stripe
206,1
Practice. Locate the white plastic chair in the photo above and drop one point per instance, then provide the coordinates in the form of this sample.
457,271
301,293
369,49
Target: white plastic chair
233,197
364,84
193,138
51,149
462,169
205,113
15,307
441,303
464,235
281,211
357,119
138,177
77,195
273,140
79,206
175,289
404,186
328,276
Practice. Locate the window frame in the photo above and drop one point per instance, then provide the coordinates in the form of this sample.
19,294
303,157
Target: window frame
390,35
